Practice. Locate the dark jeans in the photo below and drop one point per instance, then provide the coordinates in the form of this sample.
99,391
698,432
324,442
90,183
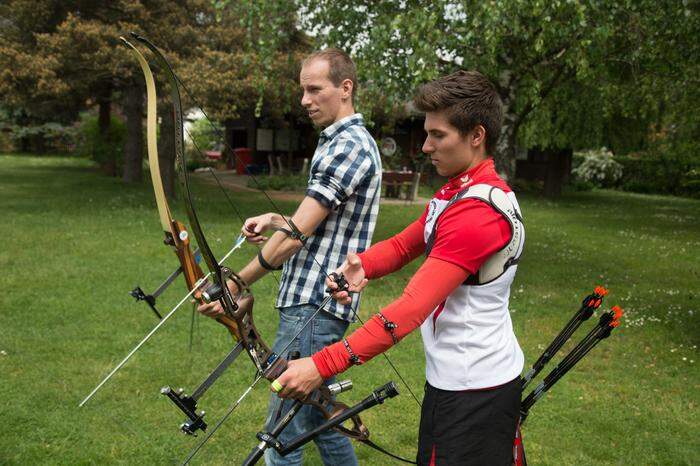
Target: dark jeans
325,329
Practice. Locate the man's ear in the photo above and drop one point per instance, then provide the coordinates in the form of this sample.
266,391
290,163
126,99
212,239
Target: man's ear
478,136
347,88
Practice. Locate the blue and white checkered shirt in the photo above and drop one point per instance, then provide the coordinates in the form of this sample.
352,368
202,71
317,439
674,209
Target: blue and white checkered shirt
346,176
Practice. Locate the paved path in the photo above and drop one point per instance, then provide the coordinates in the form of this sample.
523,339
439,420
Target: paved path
235,182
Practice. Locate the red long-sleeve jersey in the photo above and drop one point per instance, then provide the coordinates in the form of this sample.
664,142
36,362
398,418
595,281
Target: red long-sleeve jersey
468,233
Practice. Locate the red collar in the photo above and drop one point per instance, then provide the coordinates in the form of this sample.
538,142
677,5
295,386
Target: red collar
468,177
484,172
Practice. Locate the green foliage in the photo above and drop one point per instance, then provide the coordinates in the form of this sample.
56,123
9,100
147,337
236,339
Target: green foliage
576,185
247,63
690,183
204,137
520,185
196,161
598,167
101,148
280,182
576,73
46,137
661,173
6,144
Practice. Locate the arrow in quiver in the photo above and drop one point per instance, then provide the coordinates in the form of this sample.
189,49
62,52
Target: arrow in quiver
607,321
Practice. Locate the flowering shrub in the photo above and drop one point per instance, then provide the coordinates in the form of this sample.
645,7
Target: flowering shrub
597,166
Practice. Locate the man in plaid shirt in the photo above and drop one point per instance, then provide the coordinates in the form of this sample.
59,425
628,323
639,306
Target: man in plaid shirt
338,215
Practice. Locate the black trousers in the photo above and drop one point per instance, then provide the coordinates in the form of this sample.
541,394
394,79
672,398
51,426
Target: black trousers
469,428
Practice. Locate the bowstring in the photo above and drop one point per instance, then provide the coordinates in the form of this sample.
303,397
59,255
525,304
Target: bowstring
228,198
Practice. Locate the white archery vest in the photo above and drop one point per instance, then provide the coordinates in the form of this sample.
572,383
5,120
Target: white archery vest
469,341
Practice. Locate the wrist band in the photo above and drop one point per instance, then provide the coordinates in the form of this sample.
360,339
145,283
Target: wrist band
266,265
354,359
295,233
389,327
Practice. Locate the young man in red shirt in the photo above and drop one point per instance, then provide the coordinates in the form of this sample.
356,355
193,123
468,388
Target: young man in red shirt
472,235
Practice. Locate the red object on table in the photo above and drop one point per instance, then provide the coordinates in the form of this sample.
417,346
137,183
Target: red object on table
213,154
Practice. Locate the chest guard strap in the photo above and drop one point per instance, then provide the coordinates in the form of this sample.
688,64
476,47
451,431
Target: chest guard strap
501,260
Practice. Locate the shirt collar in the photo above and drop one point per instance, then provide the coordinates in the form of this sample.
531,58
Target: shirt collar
468,177
341,125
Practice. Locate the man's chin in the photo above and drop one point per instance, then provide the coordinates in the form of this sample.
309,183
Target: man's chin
316,119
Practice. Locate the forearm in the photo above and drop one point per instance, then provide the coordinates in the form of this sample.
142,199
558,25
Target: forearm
281,246
276,251
392,254
422,295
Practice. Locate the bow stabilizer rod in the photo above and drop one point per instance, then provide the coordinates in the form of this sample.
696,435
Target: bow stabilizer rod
269,439
139,295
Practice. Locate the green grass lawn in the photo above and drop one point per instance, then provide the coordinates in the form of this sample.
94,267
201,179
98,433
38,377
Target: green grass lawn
76,242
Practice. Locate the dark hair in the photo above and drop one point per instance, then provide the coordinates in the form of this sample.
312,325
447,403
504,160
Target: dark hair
469,99
340,66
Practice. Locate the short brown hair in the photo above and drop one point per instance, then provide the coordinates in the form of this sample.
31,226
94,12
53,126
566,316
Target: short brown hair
469,99
340,66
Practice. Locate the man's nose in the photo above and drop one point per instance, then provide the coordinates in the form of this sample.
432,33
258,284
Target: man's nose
427,147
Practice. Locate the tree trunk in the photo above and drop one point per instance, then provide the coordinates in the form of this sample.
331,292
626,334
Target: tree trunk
104,119
558,169
166,149
133,148
507,148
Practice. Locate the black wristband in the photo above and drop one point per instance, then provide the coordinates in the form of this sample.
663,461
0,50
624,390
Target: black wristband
266,265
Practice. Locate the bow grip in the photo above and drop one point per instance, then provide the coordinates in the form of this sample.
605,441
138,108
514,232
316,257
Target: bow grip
279,365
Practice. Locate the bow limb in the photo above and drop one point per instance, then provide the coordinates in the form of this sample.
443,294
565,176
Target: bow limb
237,316
176,234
